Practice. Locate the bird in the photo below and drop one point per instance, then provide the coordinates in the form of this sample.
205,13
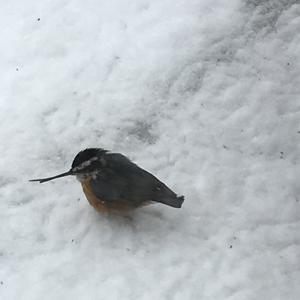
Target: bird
112,183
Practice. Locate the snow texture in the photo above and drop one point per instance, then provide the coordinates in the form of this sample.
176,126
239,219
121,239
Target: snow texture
203,94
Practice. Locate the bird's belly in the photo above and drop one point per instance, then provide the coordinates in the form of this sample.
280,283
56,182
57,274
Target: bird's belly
103,206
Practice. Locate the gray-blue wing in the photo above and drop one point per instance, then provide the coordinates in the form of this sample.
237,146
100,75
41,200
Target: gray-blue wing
121,179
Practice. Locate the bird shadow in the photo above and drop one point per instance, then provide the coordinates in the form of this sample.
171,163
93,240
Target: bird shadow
144,220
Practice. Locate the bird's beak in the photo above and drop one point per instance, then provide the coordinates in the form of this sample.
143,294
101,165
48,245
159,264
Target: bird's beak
41,180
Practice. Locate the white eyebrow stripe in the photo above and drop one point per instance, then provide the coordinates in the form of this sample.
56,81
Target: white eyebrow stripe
85,163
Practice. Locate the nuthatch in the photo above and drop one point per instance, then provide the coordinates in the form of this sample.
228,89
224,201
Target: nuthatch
112,183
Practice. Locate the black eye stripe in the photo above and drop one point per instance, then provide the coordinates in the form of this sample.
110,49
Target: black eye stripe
87,154
86,164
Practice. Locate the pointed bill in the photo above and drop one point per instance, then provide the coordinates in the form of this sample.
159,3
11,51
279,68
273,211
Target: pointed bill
41,180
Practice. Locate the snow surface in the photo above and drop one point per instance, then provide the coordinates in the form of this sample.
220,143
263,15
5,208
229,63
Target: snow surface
204,94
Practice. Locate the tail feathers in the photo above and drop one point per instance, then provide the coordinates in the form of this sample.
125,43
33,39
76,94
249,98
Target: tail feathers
174,202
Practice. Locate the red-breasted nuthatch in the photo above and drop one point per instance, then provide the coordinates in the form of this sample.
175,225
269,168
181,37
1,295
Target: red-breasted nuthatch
113,183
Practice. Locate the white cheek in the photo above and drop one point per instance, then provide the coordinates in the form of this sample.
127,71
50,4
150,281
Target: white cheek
81,178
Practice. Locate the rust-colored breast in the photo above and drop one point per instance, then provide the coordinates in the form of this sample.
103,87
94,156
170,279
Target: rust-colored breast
102,206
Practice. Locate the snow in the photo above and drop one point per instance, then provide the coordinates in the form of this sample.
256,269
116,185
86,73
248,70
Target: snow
203,94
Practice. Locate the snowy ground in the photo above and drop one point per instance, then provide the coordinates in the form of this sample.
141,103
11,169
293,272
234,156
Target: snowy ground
204,94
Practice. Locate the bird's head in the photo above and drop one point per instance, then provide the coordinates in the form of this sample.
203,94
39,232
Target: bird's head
86,164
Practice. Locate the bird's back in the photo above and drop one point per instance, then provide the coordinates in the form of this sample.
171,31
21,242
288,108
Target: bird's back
122,180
